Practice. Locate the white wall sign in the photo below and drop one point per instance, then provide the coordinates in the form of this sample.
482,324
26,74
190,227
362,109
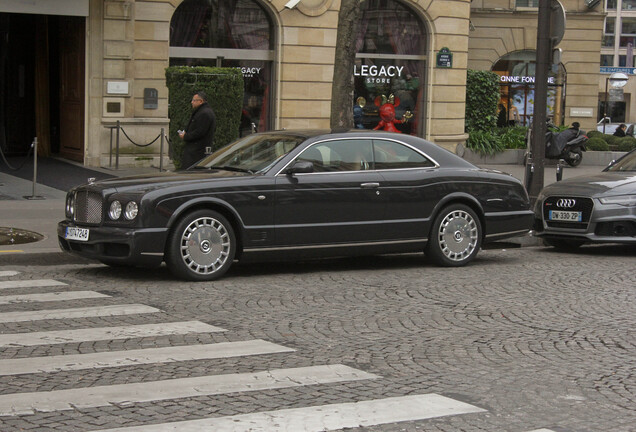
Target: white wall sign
117,87
581,112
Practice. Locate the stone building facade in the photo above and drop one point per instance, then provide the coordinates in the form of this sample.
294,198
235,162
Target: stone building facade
418,49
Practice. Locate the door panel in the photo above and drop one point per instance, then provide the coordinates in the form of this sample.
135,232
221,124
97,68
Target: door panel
72,55
339,203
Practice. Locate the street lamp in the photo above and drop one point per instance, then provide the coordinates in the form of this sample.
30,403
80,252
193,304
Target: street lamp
618,80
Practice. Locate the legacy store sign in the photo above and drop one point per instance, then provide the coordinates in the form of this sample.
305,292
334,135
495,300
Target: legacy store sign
377,74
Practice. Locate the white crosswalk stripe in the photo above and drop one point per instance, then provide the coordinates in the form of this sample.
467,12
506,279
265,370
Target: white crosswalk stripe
87,312
7,273
92,397
105,333
138,357
48,297
35,283
324,417
307,419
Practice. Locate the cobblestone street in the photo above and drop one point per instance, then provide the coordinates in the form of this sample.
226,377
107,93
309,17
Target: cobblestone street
530,338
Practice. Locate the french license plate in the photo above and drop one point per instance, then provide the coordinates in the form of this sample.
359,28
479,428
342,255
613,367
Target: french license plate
565,216
74,233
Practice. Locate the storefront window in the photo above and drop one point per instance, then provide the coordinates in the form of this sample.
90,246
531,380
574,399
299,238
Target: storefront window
231,33
390,60
517,79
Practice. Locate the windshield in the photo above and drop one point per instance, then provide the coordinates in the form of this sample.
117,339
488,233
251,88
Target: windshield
628,163
254,153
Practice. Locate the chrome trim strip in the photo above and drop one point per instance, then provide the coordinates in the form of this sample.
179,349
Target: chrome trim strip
508,233
338,245
151,253
362,137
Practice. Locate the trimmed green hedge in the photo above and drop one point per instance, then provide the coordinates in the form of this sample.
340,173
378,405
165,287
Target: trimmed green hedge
482,96
614,143
224,88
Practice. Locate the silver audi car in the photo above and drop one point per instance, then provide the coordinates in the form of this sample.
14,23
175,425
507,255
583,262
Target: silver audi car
590,209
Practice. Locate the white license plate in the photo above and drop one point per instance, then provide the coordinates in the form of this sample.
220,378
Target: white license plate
565,216
73,233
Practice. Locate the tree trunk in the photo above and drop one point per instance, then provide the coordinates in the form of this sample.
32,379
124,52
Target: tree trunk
343,85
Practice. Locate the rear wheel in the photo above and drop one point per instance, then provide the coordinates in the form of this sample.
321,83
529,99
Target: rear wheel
201,247
574,158
455,236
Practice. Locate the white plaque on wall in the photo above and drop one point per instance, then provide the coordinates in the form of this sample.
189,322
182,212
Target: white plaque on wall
117,87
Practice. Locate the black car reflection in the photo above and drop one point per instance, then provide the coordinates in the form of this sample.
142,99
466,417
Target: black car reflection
296,195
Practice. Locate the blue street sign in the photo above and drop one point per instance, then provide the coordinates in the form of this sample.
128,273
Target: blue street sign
611,70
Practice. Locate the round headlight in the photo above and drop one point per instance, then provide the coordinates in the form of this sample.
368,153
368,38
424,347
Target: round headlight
69,205
115,210
131,210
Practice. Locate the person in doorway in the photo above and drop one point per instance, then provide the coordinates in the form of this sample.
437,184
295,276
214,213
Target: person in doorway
620,130
199,133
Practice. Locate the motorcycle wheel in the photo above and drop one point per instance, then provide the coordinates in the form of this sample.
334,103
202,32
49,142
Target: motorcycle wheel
574,162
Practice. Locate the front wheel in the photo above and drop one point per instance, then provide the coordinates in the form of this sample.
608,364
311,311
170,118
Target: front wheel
201,247
455,236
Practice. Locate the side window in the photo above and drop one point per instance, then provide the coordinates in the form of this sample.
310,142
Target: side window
392,155
345,155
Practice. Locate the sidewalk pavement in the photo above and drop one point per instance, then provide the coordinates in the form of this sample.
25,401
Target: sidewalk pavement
42,215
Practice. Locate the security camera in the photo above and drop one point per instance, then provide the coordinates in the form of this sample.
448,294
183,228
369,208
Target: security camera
291,4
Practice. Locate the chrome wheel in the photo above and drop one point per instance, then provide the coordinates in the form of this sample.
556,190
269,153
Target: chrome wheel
202,246
456,236
205,245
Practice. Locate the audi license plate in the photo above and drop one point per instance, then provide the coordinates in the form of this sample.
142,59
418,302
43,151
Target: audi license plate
73,233
565,216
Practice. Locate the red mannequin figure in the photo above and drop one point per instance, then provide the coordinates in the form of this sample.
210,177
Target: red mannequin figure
387,113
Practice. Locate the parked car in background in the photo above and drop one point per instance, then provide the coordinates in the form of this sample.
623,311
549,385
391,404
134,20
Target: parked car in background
610,127
298,194
590,209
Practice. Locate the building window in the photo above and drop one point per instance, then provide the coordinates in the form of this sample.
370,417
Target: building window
611,5
608,35
390,60
231,33
607,60
628,31
629,5
527,3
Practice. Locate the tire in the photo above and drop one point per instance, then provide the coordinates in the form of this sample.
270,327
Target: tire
564,244
201,247
576,161
455,236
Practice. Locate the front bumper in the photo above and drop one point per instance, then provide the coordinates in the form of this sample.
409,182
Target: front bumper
606,224
131,246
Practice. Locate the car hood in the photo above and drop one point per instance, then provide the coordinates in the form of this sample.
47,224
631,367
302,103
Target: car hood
605,183
148,182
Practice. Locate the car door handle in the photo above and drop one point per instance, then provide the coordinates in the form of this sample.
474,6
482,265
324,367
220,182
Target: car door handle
370,185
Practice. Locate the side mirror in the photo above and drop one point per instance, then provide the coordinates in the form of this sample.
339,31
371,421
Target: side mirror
302,167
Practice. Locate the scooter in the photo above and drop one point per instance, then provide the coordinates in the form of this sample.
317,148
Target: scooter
568,145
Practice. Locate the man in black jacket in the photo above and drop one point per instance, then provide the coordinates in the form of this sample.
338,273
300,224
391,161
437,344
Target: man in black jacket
200,131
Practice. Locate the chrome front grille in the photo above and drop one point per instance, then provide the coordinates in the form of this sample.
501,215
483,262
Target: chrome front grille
88,207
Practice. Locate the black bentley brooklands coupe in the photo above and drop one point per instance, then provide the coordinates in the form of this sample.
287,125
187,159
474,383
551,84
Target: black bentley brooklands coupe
290,195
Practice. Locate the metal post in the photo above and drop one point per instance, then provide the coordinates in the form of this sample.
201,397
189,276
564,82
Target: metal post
605,105
117,154
559,170
540,98
161,152
34,146
110,154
